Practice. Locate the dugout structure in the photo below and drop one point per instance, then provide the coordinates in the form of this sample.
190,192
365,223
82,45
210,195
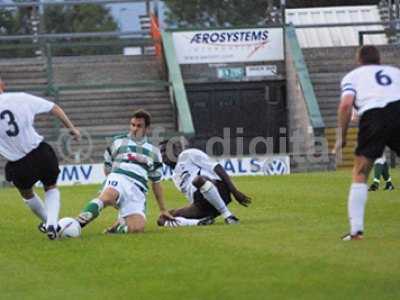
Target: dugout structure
234,95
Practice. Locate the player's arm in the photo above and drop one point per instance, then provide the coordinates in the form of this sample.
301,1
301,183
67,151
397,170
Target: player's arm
108,160
343,119
159,195
155,176
60,114
239,196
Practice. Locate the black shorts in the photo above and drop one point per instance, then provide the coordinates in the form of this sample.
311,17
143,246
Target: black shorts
204,206
41,164
201,208
378,128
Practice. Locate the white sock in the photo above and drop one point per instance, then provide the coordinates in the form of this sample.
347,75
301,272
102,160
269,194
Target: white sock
181,221
52,206
37,207
356,206
210,192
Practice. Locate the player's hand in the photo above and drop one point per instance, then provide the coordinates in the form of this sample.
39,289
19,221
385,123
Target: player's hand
337,150
166,214
339,145
242,198
76,134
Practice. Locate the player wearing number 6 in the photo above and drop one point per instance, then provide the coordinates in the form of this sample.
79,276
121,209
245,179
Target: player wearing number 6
29,158
374,91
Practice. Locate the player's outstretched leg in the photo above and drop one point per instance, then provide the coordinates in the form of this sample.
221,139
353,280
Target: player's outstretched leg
184,222
108,197
211,194
90,212
190,215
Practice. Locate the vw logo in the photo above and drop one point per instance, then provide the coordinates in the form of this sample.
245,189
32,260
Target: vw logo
274,167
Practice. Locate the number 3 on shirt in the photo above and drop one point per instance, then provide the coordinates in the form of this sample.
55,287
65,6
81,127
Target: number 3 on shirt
382,79
14,130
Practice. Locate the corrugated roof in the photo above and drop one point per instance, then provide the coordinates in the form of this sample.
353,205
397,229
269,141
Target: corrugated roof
335,36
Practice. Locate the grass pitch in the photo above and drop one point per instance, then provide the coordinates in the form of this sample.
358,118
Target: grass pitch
287,247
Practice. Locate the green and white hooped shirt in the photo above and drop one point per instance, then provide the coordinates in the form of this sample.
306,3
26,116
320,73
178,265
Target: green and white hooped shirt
137,159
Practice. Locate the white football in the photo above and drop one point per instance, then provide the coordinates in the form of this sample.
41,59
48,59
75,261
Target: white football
69,228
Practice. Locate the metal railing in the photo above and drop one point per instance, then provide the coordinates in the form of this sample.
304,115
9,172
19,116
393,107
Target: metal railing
66,3
185,121
45,36
304,80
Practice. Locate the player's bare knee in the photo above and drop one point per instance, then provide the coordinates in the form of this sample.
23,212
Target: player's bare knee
136,228
361,169
109,197
135,223
199,181
359,176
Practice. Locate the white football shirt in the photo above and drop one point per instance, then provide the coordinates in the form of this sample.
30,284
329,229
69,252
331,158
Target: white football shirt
18,137
191,163
373,86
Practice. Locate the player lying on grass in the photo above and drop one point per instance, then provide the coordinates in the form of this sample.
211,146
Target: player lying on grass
29,158
130,162
205,184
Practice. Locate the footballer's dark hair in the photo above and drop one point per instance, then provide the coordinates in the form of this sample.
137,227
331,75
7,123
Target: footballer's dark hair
170,141
142,114
180,140
368,55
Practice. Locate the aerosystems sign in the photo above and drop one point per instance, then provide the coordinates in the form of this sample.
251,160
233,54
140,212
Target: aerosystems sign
223,46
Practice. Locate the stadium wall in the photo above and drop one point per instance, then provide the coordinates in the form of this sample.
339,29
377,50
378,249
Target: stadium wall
105,69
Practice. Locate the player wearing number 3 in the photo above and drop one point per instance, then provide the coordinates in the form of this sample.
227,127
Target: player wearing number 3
374,91
29,158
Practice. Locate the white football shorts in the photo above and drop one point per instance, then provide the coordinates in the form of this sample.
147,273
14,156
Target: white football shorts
131,198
